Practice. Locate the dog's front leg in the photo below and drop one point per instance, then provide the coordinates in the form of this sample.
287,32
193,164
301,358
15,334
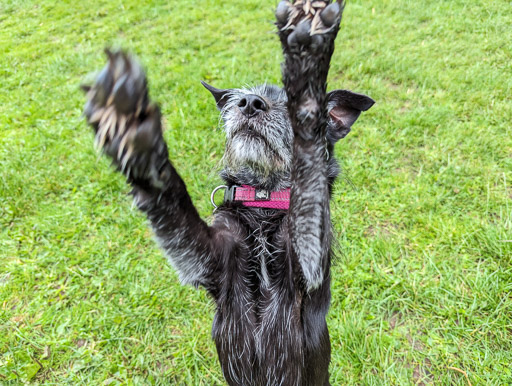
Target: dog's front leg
307,30
128,129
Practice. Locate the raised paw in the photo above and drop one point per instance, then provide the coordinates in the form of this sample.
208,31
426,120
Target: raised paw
307,30
308,25
127,125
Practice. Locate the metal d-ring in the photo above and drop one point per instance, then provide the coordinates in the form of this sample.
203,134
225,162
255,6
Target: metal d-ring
212,197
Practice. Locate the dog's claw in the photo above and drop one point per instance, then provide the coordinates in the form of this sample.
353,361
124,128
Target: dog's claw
90,111
125,144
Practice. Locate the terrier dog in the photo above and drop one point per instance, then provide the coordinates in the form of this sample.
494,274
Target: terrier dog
265,259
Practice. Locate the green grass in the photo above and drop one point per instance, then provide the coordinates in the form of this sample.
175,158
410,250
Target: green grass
422,290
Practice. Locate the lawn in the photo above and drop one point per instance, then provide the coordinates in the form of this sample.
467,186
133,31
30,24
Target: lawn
423,214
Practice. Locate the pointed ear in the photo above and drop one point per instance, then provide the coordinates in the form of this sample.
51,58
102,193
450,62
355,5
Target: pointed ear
221,96
344,107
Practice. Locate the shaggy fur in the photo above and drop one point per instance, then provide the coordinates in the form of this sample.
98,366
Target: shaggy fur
266,269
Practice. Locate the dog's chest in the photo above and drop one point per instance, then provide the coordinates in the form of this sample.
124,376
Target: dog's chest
260,270
267,256
264,288
257,328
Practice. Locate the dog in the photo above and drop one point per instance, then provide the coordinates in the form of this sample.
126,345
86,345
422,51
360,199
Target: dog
266,257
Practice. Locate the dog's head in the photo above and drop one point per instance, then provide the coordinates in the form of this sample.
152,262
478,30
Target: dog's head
259,135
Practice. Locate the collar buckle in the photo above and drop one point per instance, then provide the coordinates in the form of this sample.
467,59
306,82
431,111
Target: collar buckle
229,194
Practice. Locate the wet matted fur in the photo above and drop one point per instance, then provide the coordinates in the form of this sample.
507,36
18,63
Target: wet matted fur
268,270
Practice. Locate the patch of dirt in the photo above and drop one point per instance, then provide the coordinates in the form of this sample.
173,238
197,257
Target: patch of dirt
18,318
421,374
385,229
4,279
405,107
394,320
162,368
415,343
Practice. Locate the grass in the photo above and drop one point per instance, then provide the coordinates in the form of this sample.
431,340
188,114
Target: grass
422,290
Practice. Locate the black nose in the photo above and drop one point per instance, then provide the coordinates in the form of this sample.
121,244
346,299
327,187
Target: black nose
251,105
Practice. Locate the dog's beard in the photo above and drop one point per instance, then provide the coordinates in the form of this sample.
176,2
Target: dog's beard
249,149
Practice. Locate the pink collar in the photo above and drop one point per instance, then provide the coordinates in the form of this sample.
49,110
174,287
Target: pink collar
251,196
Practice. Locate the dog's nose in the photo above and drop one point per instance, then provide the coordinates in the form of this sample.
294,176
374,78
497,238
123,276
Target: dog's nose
251,105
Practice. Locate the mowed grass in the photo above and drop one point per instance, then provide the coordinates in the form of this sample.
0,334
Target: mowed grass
422,215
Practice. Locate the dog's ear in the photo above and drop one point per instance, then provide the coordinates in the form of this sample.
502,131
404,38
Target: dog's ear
344,107
221,96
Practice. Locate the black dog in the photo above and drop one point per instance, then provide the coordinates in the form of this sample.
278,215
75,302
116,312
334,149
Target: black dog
266,258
